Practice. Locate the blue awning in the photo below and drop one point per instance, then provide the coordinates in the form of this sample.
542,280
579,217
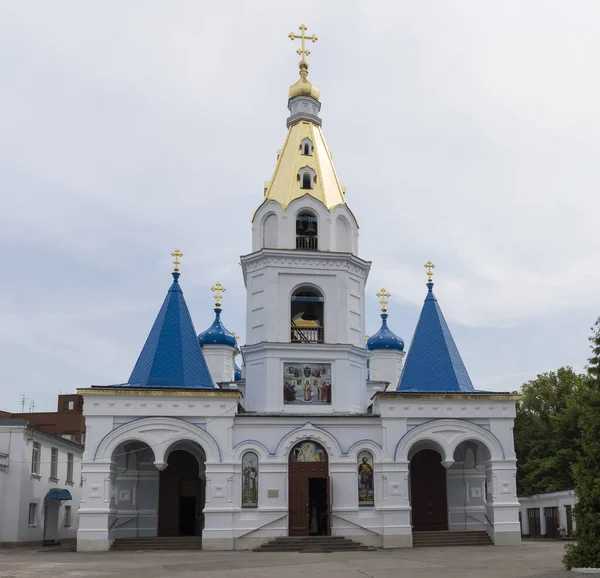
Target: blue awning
58,494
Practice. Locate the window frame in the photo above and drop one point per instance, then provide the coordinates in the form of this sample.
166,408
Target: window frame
70,467
32,515
54,463
36,453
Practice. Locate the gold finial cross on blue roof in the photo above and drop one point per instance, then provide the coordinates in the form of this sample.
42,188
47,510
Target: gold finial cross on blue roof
430,267
302,37
177,253
218,291
384,295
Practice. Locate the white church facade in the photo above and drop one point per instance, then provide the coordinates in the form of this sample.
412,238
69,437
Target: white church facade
320,433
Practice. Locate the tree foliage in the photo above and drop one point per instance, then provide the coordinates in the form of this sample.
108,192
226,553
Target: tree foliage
546,427
585,553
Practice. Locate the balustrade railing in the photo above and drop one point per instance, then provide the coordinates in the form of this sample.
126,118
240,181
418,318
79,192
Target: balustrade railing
306,243
307,334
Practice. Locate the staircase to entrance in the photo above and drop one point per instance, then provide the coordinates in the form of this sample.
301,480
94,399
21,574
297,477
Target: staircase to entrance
158,543
313,544
446,538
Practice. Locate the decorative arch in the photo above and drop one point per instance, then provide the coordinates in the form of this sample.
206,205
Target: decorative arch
250,446
309,432
306,147
269,231
307,177
343,243
159,433
360,445
447,434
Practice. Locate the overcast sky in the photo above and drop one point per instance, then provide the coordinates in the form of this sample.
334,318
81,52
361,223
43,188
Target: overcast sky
465,133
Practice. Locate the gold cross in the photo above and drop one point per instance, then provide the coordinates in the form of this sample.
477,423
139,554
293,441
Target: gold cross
430,267
385,295
218,291
302,51
177,253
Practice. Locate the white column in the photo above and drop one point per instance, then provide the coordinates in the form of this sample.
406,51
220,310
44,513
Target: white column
98,511
386,365
397,529
218,507
502,503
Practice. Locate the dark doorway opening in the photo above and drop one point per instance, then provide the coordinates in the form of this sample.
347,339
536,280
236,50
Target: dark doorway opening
187,515
318,514
181,496
309,499
428,492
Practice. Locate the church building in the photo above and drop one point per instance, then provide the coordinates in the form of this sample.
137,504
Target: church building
320,433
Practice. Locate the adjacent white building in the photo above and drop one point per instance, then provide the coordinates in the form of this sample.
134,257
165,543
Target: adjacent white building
548,515
308,442
40,485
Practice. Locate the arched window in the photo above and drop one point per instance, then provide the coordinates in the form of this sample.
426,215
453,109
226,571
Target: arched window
307,178
307,232
249,480
366,489
307,316
306,147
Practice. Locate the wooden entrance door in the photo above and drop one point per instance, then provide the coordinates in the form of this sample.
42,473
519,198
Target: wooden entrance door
175,496
428,492
307,460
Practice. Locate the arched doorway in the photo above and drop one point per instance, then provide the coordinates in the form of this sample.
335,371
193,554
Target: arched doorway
181,495
428,491
309,494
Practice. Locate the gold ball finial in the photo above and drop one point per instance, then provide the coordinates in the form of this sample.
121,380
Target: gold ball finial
177,253
430,267
218,291
384,296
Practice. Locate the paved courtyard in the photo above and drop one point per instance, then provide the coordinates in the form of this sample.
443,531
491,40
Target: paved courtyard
530,559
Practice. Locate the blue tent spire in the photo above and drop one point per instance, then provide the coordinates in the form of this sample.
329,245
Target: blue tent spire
171,356
433,363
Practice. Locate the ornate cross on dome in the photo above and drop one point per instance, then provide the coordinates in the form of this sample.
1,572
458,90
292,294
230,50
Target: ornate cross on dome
384,295
430,267
177,253
302,51
218,291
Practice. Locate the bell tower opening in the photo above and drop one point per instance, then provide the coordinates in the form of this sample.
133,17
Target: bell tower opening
307,316
307,232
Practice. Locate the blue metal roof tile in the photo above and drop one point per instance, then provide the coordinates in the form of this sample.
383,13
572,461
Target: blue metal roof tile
433,363
171,356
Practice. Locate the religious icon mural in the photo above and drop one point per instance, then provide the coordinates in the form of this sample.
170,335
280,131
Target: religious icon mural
366,492
307,383
308,451
250,480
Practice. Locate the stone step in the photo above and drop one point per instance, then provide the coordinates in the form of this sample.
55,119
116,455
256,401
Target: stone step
158,543
446,538
312,544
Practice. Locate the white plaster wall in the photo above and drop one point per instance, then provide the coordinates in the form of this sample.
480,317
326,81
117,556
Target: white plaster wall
271,277
265,372
549,500
337,229
220,362
22,488
386,365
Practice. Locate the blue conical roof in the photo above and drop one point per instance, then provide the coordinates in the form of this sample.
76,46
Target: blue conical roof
171,356
433,363
217,333
385,338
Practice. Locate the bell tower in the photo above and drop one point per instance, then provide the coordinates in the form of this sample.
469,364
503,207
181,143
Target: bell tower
305,320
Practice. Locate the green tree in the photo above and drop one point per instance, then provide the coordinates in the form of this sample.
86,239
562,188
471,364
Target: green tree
585,553
546,426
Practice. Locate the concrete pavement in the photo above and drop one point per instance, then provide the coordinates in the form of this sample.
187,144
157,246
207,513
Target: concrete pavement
531,559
